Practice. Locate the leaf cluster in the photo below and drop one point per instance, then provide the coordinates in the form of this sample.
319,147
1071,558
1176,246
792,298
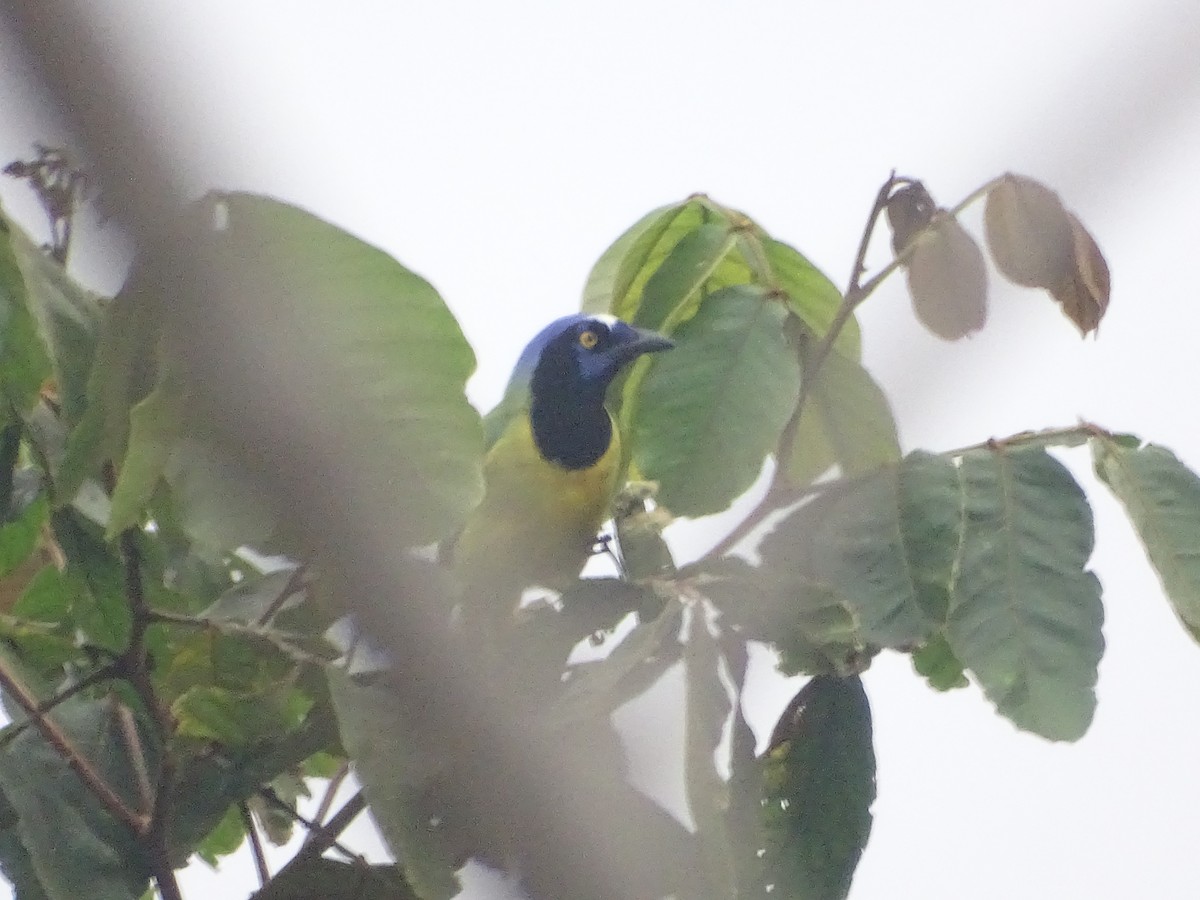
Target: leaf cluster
176,656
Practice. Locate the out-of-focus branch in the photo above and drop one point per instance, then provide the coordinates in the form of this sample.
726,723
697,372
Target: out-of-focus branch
525,791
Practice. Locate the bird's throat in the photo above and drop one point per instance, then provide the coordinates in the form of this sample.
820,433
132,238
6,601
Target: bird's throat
570,433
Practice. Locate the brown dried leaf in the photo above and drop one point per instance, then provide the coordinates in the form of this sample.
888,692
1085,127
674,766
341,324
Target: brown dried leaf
948,281
1084,294
1028,232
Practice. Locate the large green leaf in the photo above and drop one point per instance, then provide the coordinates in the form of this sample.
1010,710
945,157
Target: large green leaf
1025,616
818,784
24,362
1162,499
846,421
882,546
619,277
711,410
77,849
381,359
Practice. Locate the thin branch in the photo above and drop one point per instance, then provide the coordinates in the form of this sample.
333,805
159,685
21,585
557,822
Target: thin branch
273,800
292,586
779,492
104,673
136,670
331,790
78,763
325,836
256,847
137,755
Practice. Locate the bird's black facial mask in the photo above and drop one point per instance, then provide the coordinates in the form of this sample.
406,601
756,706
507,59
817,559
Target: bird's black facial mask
570,377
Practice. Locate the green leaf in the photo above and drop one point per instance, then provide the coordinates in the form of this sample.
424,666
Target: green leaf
1161,496
936,661
76,847
124,370
95,580
237,718
818,786
673,293
24,362
711,410
394,769
811,295
1025,616
68,316
15,862
19,535
619,277
882,545
225,838
392,364
846,421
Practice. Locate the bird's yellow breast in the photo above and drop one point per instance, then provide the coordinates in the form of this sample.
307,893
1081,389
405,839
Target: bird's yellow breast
537,522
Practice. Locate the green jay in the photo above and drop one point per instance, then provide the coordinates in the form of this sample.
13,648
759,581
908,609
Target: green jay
553,454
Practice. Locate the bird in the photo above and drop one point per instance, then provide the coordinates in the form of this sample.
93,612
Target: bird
552,458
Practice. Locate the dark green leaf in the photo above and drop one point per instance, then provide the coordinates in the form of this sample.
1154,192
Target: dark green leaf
15,862
881,545
1161,496
818,787
711,410
77,848
96,581
1024,614
317,878
846,421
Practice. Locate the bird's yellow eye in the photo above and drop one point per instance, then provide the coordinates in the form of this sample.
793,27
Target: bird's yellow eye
588,340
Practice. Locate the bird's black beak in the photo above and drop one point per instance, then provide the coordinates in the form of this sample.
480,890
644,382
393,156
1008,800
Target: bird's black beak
643,341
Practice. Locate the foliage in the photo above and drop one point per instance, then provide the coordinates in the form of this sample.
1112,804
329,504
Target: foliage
169,680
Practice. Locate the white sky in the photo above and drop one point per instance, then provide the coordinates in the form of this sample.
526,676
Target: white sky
498,148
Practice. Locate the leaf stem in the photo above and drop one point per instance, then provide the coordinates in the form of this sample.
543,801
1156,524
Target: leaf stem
256,847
